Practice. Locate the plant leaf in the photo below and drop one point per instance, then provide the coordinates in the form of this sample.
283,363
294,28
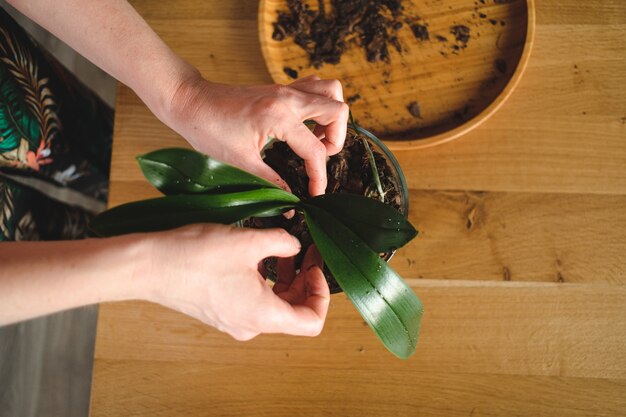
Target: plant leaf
379,225
184,171
174,211
382,298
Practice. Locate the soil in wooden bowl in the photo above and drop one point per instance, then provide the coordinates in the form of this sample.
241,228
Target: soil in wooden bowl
324,36
349,171
415,72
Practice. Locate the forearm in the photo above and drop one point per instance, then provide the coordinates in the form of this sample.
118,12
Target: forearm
112,35
230,123
38,278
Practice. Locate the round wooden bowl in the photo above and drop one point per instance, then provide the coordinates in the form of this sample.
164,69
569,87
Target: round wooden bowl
434,90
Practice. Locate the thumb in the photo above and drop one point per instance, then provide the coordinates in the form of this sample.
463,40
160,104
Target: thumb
263,243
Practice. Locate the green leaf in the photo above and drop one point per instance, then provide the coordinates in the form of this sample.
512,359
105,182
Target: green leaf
174,211
184,171
379,225
382,298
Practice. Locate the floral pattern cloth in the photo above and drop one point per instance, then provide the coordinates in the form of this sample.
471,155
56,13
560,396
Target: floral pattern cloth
55,143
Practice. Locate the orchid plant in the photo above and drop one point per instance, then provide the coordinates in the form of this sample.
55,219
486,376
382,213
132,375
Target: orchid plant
350,231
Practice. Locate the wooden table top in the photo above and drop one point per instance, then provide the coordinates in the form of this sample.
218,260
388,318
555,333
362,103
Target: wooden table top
520,265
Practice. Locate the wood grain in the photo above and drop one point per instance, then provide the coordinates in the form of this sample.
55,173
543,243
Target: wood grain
560,330
516,236
143,388
534,348
523,226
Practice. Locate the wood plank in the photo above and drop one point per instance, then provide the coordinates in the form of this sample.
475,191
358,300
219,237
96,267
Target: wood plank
516,236
558,330
223,50
197,9
604,12
141,388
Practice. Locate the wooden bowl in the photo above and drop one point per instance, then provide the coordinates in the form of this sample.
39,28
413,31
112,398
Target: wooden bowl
434,90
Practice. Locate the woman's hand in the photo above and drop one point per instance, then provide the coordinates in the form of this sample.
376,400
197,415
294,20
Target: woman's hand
230,123
206,271
210,272
233,123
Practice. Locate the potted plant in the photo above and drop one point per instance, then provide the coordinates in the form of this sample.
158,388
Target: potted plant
365,166
350,231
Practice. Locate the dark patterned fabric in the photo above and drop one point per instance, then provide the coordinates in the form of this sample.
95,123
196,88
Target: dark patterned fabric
53,132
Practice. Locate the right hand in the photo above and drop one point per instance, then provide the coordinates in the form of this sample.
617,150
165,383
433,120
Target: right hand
210,272
233,123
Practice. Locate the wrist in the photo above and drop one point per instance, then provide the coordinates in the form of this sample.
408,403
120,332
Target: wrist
162,90
131,279
177,104
191,94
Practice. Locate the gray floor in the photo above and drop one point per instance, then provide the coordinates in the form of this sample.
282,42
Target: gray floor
46,363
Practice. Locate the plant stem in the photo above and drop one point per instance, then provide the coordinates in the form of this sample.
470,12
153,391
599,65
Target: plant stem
372,159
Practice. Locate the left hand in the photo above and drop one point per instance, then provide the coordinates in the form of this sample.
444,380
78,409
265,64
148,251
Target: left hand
210,272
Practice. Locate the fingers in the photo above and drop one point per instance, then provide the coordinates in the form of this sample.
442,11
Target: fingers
316,287
286,274
335,136
300,310
333,115
327,112
305,306
308,78
322,101
263,243
313,85
319,131
304,143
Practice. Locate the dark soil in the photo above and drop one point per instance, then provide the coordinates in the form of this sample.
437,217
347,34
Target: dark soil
353,98
348,172
461,34
291,73
414,108
500,65
420,32
325,34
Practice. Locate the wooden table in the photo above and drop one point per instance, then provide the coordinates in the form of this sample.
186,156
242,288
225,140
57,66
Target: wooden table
520,266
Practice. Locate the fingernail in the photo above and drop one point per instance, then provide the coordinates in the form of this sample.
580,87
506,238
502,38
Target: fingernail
289,214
